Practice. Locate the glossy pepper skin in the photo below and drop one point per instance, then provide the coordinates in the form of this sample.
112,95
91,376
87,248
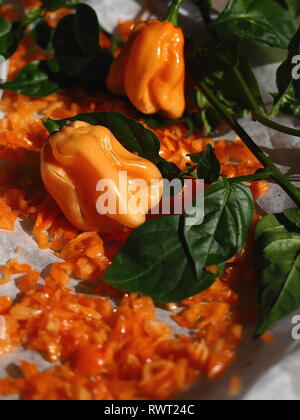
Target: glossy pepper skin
76,159
151,70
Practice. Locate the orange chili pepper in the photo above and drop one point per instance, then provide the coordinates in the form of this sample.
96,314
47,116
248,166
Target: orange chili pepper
77,158
150,70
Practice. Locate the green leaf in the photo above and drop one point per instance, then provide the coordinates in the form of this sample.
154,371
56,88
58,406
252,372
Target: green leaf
171,243
67,51
144,263
278,253
11,33
131,134
42,34
52,5
32,81
87,40
264,22
282,222
32,16
288,103
78,50
208,165
229,211
292,5
185,290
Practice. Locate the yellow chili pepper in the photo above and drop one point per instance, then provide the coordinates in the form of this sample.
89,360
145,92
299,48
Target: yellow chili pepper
77,158
150,70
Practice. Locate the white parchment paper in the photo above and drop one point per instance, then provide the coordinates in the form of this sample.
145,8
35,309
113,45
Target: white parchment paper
273,370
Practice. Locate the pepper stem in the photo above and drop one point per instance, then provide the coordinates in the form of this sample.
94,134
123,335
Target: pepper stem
173,13
256,114
271,169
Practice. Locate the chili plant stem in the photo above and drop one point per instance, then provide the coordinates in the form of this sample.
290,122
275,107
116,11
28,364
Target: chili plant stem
256,113
259,176
173,13
268,164
188,172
